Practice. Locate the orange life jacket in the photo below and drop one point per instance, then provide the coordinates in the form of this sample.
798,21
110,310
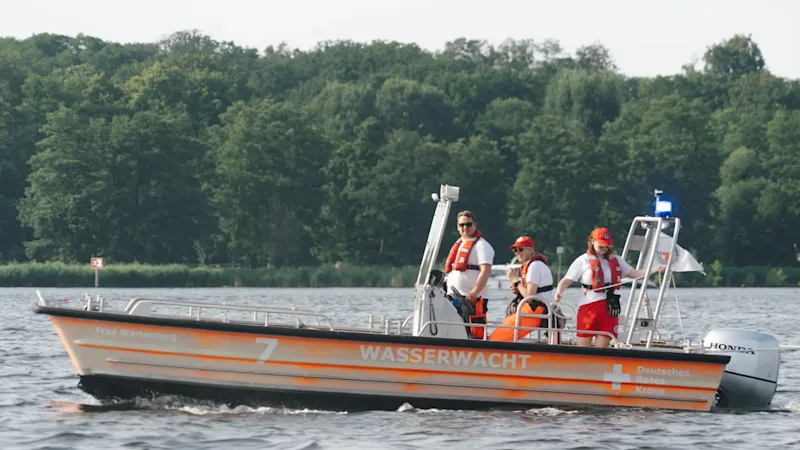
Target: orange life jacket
507,334
478,317
456,261
523,272
598,280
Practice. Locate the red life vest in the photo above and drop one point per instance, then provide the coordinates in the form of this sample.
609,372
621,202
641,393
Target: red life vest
459,262
478,317
598,279
523,271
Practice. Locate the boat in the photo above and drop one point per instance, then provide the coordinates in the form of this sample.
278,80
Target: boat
498,278
249,355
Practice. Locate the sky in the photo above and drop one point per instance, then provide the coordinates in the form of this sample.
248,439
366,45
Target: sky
644,39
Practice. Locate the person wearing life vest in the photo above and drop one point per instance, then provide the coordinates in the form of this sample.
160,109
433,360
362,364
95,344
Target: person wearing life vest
468,267
534,278
600,272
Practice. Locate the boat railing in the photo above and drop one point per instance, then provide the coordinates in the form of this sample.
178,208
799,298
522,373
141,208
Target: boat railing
552,330
549,316
200,311
197,311
385,326
388,326
496,325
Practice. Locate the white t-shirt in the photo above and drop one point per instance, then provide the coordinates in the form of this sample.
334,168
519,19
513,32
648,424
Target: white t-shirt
539,273
581,271
481,253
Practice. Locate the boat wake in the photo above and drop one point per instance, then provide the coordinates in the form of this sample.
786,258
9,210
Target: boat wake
182,404
408,407
551,412
541,412
243,410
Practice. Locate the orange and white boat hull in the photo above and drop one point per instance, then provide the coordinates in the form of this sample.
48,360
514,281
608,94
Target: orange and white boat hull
123,356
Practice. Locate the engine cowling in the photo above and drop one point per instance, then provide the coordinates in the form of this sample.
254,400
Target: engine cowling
751,376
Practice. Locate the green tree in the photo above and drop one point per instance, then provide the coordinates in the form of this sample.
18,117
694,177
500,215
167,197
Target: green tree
474,166
341,107
471,92
780,198
396,198
734,58
154,172
673,149
741,186
193,149
587,97
267,183
553,199
15,150
347,173
68,185
378,196
203,94
408,105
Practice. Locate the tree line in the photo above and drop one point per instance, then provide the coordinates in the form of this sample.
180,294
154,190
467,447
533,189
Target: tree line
189,150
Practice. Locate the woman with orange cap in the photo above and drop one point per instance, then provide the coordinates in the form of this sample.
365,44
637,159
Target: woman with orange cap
534,278
600,271
536,275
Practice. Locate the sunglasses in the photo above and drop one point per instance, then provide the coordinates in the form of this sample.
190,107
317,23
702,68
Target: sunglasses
465,224
517,249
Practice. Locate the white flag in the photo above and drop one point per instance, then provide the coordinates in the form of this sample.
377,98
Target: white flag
682,260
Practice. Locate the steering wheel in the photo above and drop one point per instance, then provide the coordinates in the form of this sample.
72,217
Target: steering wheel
463,300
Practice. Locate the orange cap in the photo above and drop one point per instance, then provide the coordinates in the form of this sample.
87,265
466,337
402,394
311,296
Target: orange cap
522,241
602,236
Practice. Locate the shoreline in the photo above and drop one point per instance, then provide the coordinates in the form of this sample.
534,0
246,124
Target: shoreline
60,275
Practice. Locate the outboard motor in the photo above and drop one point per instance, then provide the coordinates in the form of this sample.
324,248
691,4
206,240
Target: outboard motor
751,377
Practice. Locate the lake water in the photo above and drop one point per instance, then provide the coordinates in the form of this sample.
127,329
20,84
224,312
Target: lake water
41,406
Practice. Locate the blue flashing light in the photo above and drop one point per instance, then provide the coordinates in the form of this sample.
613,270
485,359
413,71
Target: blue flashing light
663,208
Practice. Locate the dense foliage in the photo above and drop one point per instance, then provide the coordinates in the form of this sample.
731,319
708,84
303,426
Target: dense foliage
195,151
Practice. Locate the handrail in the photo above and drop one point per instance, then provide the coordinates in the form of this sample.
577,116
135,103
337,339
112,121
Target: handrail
646,260
467,324
547,316
655,223
129,309
132,305
485,325
664,285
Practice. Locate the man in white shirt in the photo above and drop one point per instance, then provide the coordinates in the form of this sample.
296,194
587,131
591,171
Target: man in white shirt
468,267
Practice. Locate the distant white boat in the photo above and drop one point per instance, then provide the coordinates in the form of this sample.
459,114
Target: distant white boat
499,276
